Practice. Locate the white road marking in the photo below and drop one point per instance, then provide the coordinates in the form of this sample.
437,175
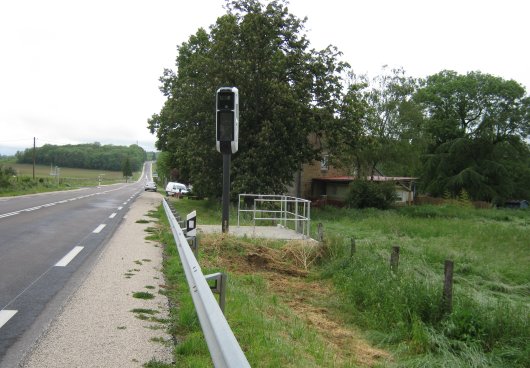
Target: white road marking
6,315
99,228
68,258
9,214
3,215
113,215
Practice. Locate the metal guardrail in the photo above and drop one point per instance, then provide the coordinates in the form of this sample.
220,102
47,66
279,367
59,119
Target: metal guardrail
222,344
281,208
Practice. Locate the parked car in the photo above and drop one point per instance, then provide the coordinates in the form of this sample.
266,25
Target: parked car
150,185
176,189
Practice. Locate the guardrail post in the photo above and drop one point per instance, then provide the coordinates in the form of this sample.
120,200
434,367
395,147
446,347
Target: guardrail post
194,245
219,287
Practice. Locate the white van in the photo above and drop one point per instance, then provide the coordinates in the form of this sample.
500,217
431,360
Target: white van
176,189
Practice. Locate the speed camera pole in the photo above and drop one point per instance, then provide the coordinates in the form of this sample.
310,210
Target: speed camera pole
226,192
227,134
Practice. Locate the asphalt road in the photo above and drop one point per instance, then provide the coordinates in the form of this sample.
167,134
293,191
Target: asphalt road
47,244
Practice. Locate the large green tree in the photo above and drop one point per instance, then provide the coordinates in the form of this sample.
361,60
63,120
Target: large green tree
378,128
478,126
286,90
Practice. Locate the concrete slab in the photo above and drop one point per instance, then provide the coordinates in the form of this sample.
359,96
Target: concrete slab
267,232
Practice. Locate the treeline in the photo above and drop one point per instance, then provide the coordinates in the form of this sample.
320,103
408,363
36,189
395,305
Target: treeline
86,156
460,134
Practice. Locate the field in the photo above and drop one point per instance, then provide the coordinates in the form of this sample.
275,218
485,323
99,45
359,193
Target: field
296,305
46,180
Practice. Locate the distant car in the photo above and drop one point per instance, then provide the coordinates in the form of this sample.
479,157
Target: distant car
150,185
176,189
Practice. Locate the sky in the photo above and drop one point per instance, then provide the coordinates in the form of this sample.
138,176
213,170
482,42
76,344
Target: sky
83,71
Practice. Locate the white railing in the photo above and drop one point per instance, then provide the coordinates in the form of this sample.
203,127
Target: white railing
281,209
222,344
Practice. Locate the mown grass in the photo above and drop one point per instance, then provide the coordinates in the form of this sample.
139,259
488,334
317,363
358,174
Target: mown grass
270,334
490,322
69,178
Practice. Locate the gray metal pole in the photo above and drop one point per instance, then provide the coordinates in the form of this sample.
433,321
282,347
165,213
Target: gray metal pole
226,192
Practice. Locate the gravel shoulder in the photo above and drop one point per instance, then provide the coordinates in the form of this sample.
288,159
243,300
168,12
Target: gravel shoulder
97,327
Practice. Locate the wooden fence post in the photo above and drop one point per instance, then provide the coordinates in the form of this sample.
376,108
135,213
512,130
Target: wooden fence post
352,247
394,258
447,298
320,232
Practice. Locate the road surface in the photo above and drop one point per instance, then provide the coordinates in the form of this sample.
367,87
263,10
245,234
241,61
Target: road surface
47,245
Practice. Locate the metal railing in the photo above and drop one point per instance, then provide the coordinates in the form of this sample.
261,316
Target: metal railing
281,209
222,344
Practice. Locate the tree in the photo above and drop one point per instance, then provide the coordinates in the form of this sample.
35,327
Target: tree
378,127
477,124
86,156
287,91
126,168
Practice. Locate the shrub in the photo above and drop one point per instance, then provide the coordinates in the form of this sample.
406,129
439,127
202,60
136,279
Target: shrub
365,194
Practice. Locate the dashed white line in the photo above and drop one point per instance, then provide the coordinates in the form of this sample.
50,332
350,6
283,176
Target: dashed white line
6,315
68,258
9,214
119,208
99,228
113,215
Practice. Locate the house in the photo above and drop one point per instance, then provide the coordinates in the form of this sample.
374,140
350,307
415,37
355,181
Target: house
335,189
319,180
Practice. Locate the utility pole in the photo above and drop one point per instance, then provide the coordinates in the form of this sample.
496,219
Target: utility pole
33,158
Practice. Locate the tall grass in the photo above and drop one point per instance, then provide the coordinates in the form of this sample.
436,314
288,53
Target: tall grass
490,321
489,325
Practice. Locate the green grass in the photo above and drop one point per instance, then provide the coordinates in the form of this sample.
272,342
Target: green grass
142,295
488,327
270,334
70,178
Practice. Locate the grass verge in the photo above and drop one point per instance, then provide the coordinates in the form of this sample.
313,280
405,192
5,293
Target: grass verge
279,314
400,311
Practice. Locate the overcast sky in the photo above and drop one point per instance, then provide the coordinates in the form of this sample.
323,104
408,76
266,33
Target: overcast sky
78,71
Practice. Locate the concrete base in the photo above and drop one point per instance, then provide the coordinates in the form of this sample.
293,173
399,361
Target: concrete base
267,232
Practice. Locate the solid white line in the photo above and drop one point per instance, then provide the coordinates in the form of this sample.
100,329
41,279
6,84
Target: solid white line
5,315
99,228
67,258
113,215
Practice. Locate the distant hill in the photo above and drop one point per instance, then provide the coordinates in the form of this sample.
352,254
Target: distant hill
85,156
